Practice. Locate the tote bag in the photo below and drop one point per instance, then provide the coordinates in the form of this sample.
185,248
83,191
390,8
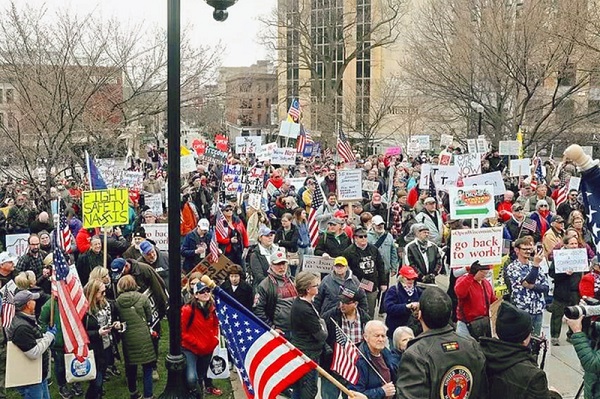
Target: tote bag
219,362
80,371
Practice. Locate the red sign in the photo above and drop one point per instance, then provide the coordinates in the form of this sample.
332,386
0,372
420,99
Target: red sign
199,146
222,142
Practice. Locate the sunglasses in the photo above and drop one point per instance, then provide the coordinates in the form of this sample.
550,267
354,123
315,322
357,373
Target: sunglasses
228,210
543,206
203,291
361,236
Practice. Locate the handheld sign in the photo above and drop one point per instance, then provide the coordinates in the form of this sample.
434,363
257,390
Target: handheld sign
105,208
472,202
317,264
469,245
349,184
570,259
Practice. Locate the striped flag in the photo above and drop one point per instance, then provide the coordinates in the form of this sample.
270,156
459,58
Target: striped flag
313,224
301,141
563,191
538,176
327,152
266,362
220,224
8,305
72,306
65,237
343,147
214,248
295,111
345,356
529,224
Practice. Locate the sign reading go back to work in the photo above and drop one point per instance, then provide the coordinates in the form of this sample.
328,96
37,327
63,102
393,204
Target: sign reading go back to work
103,208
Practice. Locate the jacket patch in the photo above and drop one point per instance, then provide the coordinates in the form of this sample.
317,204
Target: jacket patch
450,346
457,383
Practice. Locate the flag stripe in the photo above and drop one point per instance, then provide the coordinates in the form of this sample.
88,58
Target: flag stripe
343,147
345,356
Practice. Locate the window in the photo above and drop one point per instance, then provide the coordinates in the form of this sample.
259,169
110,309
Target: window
567,75
11,121
10,96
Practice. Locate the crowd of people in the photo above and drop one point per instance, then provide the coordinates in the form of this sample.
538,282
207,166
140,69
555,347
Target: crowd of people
387,253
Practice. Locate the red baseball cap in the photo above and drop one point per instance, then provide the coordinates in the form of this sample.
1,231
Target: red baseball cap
408,272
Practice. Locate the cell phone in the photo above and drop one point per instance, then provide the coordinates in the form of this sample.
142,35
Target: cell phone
539,247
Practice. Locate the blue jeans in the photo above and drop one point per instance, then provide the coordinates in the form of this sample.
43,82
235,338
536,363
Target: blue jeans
131,374
462,329
329,390
35,391
58,357
536,320
196,368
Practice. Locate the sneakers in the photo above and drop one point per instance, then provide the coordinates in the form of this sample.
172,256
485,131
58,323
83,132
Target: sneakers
65,392
155,375
555,341
213,391
113,370
77,389
135,395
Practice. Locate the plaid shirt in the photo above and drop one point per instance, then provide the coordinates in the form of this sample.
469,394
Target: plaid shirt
33,263
352,328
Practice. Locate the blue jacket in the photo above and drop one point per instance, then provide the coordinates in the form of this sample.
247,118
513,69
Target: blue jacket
188,248
396,300
369,383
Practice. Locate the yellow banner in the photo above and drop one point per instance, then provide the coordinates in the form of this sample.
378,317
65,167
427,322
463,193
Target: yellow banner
104,208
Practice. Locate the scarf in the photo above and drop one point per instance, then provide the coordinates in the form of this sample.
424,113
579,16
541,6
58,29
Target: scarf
422,245
409,291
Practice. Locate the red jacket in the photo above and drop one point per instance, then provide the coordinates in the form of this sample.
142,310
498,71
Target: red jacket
239,227
201,337
471,300
507,207
83,240
586,286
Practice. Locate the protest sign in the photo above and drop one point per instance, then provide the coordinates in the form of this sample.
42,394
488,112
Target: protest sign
520,167
470,245
468,164
509,147
570,259
247,144
218,271
159,233
16,244
199,146
297,182
369,185
188,164
424,142
110,170
471,146
392,151
222,143
132,179
349,184
289,129
317,264
445,158
215,155
270,189
231,180
588,149
413,147
446,140
472,202
482,145
154,201
104,208
283,156
444,176
574,183
265,152
493,179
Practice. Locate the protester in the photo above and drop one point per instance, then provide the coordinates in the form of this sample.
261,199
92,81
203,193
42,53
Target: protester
159,260
384,242
423,255
400,339
554,235
235,240
402,302
238,288
475,295
338,281
260,258
333,242
287,238
432,219
324,214
90,259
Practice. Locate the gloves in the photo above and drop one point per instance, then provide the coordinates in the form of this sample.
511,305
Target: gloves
52,330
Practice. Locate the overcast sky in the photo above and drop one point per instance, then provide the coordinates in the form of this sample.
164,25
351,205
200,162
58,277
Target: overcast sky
238,33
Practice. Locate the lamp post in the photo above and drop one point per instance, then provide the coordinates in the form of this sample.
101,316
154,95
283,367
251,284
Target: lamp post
175,362
479,109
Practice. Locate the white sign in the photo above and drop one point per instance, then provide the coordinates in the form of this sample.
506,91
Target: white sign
491,179
574,183
568,259
159,233
446,140
482,145
413,147
188,164
468,164
469,245
444,176
317,264
424,142
132,179
509,147
369,185
284,156
349,184
247,144
265,152
588,149
231,181
16,244
472,202
289,129
471,146
297,182
154,201
520,167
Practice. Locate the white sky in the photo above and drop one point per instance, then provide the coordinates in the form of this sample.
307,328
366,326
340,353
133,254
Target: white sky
238,33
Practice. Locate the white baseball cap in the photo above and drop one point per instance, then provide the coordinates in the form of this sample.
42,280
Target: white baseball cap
7,257
377,220
203,224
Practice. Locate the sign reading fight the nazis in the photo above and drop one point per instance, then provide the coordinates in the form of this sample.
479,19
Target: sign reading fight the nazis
104,208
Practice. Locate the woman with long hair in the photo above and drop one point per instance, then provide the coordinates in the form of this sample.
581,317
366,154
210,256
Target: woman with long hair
577,221
199,338
287,237
235,240
301,223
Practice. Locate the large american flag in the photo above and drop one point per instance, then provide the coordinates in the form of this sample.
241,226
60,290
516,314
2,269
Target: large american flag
343,147
563,191
8,304
590,188
313,224
327,152
64,236
345,356
220,224
72,306
266,362
295,111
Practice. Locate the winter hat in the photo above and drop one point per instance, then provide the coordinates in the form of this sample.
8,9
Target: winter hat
513,324
475,267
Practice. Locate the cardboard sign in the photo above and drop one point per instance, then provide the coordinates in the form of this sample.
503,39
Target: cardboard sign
370,186
217,271
188,164
289,129
247,144
492,179
222,143
568,259
283,156
471,146
317,264
520,167
424,142
154,201
468,164
104,208
199,146
445,158
392,151
509,147
132,179
159,233
16,244
469,245
446,140
472,202
265,152
482,145
349,185
444,176
215,155
574,183
23,370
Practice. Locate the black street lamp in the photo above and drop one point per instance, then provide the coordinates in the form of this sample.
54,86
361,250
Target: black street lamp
479,109
176,383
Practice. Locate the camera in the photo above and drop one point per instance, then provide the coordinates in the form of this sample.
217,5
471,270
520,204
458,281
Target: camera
220,13
592,308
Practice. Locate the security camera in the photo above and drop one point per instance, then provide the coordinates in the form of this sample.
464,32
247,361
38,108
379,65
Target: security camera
220,14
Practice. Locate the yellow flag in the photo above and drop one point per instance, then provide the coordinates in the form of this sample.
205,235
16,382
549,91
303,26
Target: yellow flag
184,151
520,140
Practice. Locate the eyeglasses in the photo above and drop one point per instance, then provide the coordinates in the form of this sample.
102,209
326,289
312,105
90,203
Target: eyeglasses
525,248
228,210
543,206
361,236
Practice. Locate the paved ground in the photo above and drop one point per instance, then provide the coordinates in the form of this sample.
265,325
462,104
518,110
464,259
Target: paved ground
562,365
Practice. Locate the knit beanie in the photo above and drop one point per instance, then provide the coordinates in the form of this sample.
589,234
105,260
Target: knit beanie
513,324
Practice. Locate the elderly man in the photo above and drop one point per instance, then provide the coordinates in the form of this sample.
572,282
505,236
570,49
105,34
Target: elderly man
505,207
432,218
195,245
554,235
41,222
541,192
439,363
159,260
376,357
384,242
275,294
422,254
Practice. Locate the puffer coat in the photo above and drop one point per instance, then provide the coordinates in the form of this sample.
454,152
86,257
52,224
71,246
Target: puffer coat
134,309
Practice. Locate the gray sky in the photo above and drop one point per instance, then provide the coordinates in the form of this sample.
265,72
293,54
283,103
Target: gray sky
238,33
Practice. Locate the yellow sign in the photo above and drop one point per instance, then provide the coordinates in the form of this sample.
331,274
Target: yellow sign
103,208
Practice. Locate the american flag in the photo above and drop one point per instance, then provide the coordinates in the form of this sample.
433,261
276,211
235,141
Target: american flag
343,147
266,362
327,152
313,224
529,224
295,111
65,237
220,224
345,356
214,248
563,191
72,306
302,140
538,175
8,305
590,188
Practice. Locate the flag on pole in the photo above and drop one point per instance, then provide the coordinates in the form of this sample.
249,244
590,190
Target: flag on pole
345,356
220,224
343,147
72,306
537,173
327,152
520,140
94,177
214,248
294,111
266,362
65,237
302,140
563,191
8,305
313,224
